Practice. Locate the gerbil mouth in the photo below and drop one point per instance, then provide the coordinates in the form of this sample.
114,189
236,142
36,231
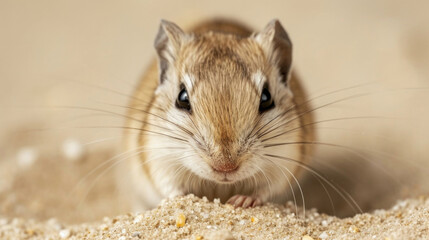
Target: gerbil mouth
225,175
225,170
226,179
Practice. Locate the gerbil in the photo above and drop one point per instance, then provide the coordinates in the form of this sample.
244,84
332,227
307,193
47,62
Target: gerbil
206,117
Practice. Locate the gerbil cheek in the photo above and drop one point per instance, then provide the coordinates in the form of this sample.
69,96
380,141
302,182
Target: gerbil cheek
197,165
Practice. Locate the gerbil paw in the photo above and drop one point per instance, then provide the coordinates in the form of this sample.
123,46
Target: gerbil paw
244,201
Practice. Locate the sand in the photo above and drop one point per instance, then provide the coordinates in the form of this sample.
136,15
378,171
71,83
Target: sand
36,204
202,219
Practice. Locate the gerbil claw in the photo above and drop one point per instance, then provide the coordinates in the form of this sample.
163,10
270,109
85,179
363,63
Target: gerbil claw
244,201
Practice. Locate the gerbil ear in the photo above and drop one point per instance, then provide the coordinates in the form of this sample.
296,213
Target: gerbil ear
276,43
167,44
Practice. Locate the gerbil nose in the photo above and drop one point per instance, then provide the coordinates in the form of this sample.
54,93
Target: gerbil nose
225,167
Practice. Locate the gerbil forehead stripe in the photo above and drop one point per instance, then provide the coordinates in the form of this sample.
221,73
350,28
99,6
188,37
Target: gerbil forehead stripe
188,81
259,79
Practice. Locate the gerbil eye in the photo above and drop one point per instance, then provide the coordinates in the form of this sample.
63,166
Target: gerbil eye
266,102
183,100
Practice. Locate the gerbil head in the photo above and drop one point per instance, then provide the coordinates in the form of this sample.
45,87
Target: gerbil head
221,93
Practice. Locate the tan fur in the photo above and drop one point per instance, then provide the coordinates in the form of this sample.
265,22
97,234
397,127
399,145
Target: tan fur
219,58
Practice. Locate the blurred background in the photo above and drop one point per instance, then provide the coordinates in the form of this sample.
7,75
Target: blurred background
64,65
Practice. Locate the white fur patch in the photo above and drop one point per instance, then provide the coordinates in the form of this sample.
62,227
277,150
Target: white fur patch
189,81
259,79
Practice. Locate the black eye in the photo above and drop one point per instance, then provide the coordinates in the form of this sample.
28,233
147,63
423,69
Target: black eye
266,102
183,100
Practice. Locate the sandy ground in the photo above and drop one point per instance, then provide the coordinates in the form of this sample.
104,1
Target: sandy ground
190,217
40,204
78,53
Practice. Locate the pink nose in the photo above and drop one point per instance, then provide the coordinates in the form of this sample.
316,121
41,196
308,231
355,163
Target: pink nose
225,168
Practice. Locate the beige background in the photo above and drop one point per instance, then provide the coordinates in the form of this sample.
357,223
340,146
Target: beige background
65,53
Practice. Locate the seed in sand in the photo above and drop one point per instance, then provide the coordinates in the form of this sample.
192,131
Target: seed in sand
30,232
354,229
180,220
306,237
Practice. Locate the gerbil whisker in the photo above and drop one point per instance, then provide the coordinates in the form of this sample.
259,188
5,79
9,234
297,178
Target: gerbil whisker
116,114
138,129
251,134
340,191
178,171
83,116
347,148
341,119
327,194
290,184
169,160
328,104
101,140
356,132
114,158
129,97
98,167
255,183
304,103
254,127
187,182
185,130
199,134
113,165
105,171
269,130
268,181
319,122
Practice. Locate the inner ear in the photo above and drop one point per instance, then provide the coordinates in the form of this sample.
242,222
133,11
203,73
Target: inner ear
167,44
284,73
163,66
275,41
